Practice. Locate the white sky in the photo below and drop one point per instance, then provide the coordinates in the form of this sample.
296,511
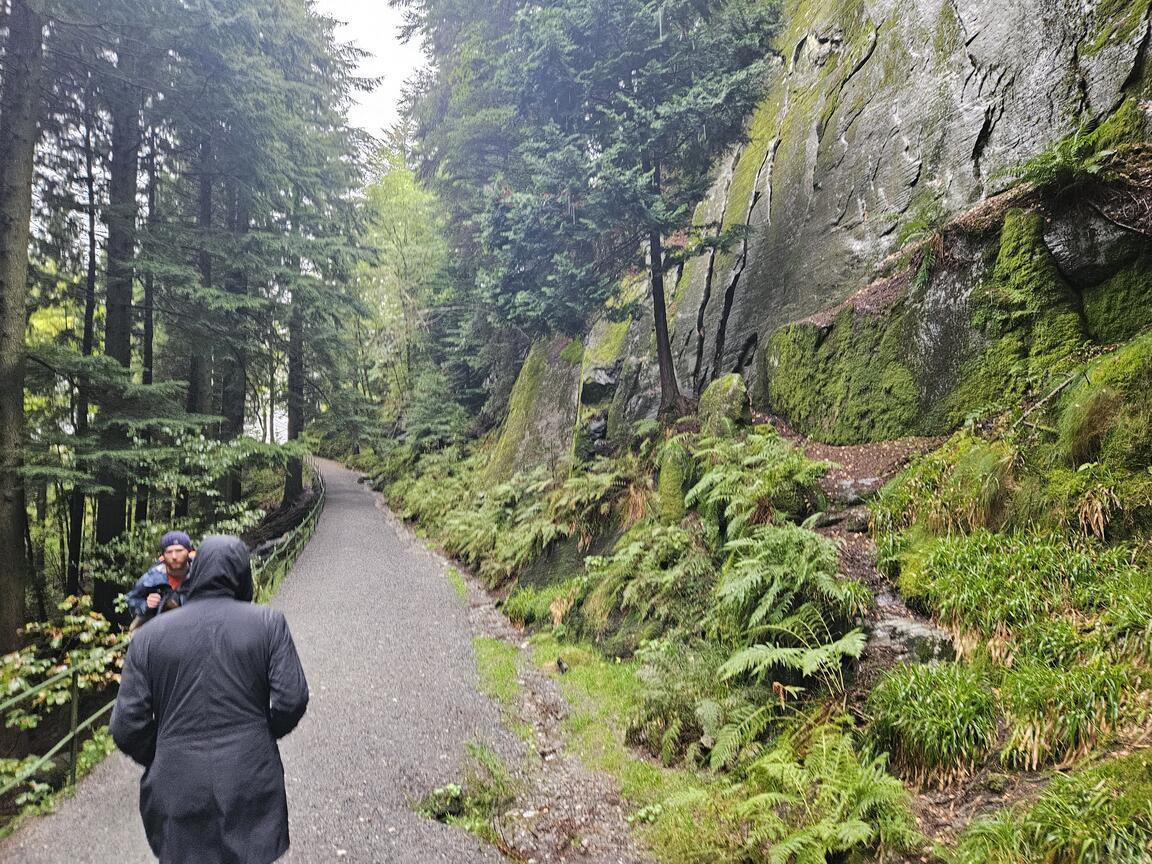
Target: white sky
372,25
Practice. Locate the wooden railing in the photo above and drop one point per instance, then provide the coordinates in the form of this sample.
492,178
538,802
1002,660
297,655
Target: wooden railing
266,576
267,572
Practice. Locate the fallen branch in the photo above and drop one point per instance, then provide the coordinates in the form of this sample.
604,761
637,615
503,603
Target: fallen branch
1060,389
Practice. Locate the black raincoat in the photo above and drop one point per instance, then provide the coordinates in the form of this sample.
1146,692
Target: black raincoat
206,691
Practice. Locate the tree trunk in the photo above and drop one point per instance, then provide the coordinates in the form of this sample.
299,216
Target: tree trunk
19,107
149,320
235,374
199,367
111,516
294,478
76,503
199,372
671,399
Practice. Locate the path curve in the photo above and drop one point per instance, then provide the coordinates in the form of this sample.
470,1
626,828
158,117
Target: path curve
387,648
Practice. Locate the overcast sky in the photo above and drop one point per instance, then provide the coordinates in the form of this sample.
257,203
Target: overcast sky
372,26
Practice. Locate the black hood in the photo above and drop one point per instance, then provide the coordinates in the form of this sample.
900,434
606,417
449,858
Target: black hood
221,568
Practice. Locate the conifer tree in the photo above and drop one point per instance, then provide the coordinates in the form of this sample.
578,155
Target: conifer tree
19,111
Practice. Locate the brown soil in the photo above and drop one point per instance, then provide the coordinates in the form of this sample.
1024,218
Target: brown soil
857,470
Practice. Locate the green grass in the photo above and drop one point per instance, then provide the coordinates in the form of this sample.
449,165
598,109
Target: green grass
484,793
497,667
1060,714
533,605
1097,815
985,586
496,664
458,583
939,722
603,696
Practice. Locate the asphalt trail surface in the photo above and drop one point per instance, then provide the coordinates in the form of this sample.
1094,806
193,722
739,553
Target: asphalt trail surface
387,649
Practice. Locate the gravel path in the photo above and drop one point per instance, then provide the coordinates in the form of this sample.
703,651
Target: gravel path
387,648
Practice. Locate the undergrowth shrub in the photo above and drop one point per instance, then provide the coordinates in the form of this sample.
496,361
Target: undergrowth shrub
542,605
1096,815
744,482
818,797
985,586
938,722
689,714
658,578
1057,715
486,791
782,605
962,486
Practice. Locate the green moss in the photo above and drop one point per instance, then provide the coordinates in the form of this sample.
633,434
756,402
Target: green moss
674,481
724,404
1033,320
1125,125
1120,307
524,394
847,383
606,342
1108,415
573,352
1115,21
949,36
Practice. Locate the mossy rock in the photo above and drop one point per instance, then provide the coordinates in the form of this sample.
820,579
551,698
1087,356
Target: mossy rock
675,478
541,421
724,405
1107,416
1121,307
847,382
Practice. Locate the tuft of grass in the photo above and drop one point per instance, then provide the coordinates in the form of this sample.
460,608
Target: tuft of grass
475,803
548,605
938,722
986,586
1097,815
458,583
496,665
1061,714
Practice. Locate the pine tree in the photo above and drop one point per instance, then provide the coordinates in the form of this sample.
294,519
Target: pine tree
19,110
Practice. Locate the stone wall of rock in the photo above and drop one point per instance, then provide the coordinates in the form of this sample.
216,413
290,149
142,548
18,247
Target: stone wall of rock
884,118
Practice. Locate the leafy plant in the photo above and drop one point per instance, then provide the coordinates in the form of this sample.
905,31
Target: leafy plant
812,797
474,804
781,602
660,574
750,481
939,722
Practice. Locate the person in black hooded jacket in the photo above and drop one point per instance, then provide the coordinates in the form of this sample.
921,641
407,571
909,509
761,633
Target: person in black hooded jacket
206,691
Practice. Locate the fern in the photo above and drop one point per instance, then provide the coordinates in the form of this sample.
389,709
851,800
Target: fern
781,602
804,801
747,482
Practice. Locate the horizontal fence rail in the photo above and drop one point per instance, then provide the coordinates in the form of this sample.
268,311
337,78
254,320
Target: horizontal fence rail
266,576
267,573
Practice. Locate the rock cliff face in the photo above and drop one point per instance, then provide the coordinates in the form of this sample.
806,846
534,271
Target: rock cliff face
885,117
884,122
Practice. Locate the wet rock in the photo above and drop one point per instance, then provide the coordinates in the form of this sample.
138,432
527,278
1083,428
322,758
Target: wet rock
896,629
599,384
1088,249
